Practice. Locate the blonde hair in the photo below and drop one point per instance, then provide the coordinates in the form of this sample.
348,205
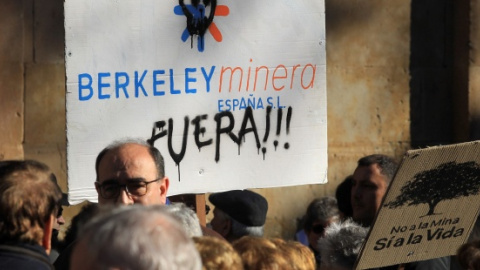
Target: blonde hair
302,256
261,253
28,198
298,255
217,254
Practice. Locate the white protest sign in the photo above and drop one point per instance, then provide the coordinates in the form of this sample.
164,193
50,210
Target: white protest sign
233,93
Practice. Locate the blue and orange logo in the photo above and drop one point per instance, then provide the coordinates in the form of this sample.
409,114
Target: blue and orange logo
198,22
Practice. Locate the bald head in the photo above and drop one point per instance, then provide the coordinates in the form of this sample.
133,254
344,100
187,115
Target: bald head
124,166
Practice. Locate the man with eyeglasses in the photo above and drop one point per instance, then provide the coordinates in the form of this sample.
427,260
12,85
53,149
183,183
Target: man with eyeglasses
321,212
129,172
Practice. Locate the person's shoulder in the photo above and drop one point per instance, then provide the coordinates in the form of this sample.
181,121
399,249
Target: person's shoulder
24,256
63,260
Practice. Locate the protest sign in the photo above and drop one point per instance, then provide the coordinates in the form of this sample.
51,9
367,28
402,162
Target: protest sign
233,93
430,207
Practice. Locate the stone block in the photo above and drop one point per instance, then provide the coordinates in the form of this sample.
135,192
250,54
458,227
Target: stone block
11,106
11,151
11,79
474,32
368,33
54,156
367,105
45,104
11,29
49,38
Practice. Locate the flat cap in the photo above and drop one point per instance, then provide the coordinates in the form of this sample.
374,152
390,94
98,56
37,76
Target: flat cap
245,206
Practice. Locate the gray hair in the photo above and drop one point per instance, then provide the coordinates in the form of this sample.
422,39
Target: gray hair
321,209
342,244
154,152
239,229
187,217
139,237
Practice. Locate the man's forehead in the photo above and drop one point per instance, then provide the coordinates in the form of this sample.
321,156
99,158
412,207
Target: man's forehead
131,150
365,173
126,160
130,153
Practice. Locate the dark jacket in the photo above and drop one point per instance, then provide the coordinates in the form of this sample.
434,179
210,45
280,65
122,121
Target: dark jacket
24,256
63,260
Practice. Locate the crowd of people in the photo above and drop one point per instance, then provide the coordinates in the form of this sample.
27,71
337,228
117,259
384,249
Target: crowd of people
135,226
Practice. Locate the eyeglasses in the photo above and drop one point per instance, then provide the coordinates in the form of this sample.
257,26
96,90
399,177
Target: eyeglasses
318,229
60,211
110,189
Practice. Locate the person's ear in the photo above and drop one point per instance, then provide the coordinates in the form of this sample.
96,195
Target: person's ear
97,187
226,228
165,183
47,234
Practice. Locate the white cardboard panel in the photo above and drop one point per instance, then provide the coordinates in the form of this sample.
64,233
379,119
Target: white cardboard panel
127,68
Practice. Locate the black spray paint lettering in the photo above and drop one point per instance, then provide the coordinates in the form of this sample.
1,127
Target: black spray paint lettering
200,130
248,117
227,130
225,124
177,157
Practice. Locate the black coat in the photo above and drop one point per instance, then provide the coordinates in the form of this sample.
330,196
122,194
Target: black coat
24,256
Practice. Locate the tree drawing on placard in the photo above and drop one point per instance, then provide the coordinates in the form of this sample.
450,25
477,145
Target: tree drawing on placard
448,181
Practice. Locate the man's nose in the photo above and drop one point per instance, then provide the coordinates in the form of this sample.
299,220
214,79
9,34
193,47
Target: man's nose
124,198
60,220
356,193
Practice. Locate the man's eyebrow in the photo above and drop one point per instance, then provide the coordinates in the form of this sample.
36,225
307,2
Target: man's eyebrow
117,181
109,181
136,179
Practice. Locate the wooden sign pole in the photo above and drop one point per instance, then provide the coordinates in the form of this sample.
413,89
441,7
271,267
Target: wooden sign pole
200,207
194,201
